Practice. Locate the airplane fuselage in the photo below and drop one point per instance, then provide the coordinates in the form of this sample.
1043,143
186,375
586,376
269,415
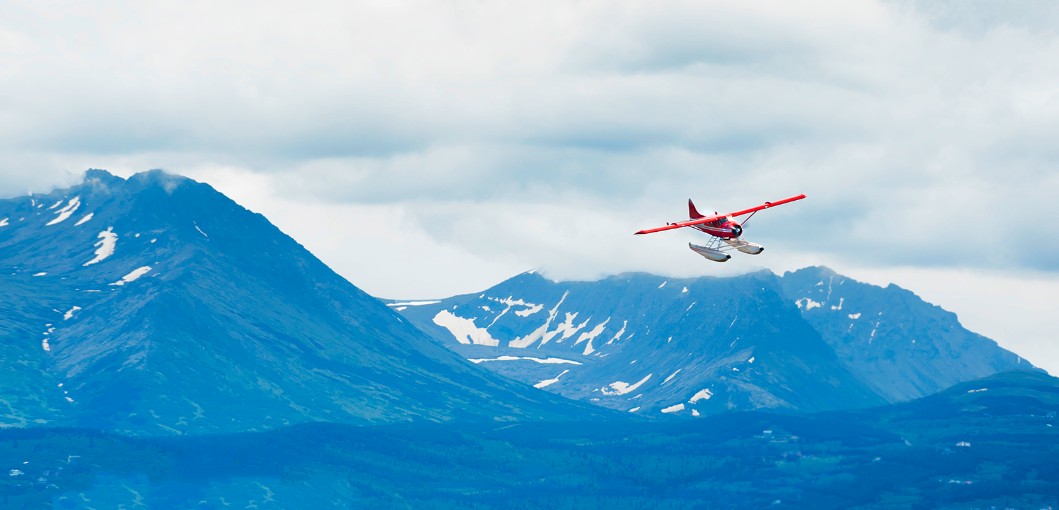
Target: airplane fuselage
724,228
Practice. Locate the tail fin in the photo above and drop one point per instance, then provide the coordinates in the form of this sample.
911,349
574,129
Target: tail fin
692,212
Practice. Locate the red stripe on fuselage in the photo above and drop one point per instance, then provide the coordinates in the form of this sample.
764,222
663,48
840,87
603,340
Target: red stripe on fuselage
724,231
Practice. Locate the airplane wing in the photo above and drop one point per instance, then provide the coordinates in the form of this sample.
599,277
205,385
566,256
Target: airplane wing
708,219
681,224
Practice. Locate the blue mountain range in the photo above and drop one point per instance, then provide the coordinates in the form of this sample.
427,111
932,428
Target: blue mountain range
166,348
156,305
810,340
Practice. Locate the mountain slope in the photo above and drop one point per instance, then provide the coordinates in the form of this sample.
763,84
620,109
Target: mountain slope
811,340
899,345
157,305
990,443
648,344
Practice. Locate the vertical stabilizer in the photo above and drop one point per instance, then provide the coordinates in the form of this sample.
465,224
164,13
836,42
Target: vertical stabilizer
692,212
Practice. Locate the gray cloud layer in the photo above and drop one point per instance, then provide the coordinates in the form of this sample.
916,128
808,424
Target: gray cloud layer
543,134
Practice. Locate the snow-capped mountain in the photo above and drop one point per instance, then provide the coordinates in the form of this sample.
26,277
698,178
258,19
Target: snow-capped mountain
811,340
647,344
901,346
157,305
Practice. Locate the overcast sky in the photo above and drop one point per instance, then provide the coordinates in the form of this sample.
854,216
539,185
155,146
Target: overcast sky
424,149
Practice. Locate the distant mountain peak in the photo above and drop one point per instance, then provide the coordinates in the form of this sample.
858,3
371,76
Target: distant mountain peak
159,177
100,174
819,271
156,304
101,178
646,343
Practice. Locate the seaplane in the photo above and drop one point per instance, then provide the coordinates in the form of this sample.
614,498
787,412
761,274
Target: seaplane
725,233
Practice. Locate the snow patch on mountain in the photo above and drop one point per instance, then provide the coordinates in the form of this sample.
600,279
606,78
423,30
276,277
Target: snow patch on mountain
703,394
529,311
464,330
84,220
591,335
108,240
539,333
508,303
543,361
133,275
807,304
413,303
617,336
566,329
622,387
62,214
70,313
671,376
549,382
674,408
528,308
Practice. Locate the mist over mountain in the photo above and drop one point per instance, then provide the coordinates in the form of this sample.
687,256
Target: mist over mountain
807,341
157,305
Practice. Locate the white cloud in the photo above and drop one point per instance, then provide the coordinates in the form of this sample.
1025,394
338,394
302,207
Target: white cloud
427,148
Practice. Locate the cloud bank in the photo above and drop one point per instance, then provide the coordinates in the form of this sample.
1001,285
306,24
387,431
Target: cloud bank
429,148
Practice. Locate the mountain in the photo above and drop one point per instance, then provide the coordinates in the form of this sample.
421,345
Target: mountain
808,341
988,443
156,305
647,344
901,346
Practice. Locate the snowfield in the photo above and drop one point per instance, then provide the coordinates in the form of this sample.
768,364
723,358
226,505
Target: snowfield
413,303
622,387
549,382
673,409
132,276
108,240
464,330
70,313
807,304
62,214
543,361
